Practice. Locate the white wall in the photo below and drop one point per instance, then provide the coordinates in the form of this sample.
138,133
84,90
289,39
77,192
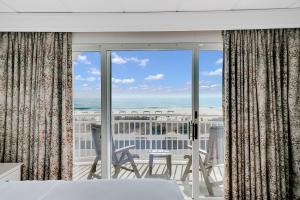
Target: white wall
164,21
148,37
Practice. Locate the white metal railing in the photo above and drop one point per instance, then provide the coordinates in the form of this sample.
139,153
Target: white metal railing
159,131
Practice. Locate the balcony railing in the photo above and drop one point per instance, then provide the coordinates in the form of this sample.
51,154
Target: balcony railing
147,131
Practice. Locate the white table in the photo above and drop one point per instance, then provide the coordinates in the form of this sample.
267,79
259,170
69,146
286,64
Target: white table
160,154
10,171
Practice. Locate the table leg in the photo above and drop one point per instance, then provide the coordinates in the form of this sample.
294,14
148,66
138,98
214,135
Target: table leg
169,165
150,164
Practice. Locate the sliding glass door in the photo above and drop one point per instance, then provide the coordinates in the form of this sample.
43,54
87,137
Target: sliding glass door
150,111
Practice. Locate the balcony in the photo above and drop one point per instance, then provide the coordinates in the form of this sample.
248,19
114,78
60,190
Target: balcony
168,131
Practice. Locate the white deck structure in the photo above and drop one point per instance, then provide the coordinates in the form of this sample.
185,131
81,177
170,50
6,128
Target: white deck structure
147,130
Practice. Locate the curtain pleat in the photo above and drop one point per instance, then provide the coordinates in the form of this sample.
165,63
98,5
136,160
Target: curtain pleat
36,103
261,102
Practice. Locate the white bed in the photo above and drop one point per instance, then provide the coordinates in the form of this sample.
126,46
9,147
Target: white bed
134,189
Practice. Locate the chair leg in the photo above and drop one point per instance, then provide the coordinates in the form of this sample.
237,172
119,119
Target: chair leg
117,171
133,165
205,177
187,169
93,168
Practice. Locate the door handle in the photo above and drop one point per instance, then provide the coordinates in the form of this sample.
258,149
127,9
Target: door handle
191,129
195,135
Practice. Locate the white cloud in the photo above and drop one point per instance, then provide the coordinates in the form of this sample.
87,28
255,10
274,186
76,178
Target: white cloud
80,78
141,62
204,82
94,70
123,81
154,77
210,86
90,79
85,85
217,72
144,62
204,86
117,59
219,61
215,85
83,59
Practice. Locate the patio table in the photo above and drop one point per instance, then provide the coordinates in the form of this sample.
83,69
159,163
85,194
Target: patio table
160,154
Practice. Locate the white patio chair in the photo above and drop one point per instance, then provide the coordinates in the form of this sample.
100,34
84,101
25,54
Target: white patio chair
120,156
207,159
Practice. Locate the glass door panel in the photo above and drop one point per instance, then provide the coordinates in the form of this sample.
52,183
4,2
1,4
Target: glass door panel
151,114
86,106
211,140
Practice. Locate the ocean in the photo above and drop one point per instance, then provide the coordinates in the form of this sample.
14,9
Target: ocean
147,102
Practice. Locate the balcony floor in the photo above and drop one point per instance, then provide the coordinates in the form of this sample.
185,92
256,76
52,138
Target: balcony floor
81,171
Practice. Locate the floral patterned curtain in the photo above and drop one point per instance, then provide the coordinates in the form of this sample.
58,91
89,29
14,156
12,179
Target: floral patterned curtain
261,102
36,103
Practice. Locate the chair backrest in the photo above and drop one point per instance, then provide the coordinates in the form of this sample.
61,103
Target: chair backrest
96,134
215,146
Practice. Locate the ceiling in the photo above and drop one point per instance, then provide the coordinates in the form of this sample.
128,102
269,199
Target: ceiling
147,15
120,6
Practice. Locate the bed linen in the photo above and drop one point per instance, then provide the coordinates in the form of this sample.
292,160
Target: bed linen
134,189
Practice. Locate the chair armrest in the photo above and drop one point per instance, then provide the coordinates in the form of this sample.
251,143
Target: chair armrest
125,148
200,150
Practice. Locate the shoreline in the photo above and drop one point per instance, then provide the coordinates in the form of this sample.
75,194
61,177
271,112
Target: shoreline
152,110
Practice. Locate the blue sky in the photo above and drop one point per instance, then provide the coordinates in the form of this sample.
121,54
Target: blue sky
149,73
210,73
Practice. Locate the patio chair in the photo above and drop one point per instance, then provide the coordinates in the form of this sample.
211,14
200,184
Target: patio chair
120,156
207,159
